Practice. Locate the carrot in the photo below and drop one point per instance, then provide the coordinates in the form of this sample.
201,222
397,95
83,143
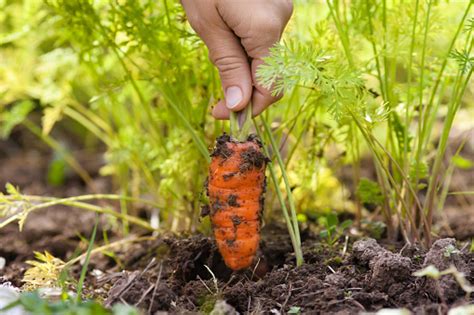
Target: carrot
236,187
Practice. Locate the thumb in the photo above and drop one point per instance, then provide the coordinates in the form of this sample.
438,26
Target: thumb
227,54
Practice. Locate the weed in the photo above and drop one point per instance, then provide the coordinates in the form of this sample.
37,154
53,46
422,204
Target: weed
433,272
294,310
44,272
450,250
369,194
333,230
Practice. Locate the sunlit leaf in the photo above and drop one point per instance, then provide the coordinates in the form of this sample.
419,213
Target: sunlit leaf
461,162
10,118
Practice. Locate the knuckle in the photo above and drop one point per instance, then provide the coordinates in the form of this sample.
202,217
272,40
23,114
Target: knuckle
271,26
227,64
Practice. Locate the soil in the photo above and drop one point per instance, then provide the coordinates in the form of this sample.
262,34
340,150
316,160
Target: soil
187,274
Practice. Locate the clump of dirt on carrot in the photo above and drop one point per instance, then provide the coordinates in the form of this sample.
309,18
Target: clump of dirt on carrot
236,187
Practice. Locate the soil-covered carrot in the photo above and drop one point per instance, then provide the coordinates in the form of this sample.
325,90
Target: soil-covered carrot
236,188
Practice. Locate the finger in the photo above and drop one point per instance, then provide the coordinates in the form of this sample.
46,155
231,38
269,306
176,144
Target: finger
257,41
225,52
231,60
262,98
220,111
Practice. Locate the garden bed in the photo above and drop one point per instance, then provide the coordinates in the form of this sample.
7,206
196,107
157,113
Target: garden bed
169,273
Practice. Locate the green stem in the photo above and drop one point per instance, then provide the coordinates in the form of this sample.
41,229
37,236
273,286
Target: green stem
447,178
294,240
240,123
420,89
83,174
441,149
342,34
107,247
289,193
76,202
374,49
197,140
408,100
80,284
445,60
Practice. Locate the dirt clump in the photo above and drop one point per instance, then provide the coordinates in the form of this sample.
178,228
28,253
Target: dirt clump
444,254
387,269
365,280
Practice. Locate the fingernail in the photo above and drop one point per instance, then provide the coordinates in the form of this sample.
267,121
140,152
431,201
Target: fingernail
233,96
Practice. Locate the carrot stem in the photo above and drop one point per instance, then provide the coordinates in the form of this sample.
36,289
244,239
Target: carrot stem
289,194
291,222
240,123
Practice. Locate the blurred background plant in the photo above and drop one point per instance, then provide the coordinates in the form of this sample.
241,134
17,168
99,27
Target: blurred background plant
372,89
393,76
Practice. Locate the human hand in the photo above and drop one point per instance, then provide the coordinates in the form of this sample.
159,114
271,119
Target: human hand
238,33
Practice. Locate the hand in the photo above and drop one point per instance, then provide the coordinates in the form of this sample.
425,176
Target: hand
238,34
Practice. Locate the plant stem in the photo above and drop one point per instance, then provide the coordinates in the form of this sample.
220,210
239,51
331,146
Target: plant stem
57,147
75,202
342,34
374,49
408,99
441,149
289,193
445,60
107,247
294,239
240,123
80,284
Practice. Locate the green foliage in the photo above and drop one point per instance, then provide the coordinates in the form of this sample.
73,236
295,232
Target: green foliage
33,303
375,228
369,193
13,117
433,273
133,75
450,250
294,310
338,87
333,230
377,78
464,60
362,79
80,283
384,80
57,171
418,170
461,162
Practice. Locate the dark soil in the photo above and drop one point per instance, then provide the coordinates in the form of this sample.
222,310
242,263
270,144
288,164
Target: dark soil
367,278
170,273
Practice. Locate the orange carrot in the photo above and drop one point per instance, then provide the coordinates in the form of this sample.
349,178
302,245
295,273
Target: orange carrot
236,187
